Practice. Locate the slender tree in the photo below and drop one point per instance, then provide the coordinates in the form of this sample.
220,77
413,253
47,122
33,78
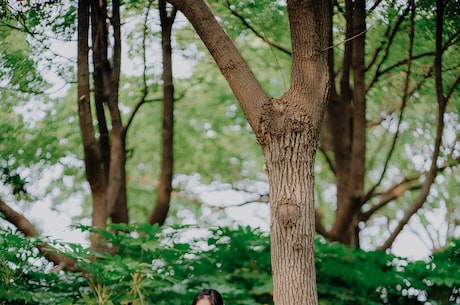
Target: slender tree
159,213
105,151
344,135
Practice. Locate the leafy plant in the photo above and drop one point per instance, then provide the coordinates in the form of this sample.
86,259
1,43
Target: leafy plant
152,265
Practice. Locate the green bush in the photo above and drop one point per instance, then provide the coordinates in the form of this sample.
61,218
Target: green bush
164,266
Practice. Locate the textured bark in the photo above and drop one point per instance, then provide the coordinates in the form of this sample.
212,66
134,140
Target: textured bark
119,213
287,130
117,204
26,227
161,209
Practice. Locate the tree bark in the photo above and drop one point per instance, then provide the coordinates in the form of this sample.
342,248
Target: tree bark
106,82
287,130
242,81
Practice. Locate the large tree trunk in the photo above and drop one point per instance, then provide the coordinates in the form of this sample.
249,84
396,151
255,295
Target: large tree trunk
287,130
289,148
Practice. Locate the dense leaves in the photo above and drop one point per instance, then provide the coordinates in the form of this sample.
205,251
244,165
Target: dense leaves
168,265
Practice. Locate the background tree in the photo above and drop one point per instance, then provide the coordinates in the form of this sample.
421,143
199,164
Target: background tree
105,155
374,111
161,209
105,149
344,138
29,158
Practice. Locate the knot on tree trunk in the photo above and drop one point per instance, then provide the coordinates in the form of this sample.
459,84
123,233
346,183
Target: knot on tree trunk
288,212
279,118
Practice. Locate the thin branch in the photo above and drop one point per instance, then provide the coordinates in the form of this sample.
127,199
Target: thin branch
375,5
398,189
428,73
404,100
348,39
452,40
145,89
402,62
253,30
328,159
442,103
423,240
392,193
319,228
453,87
391,37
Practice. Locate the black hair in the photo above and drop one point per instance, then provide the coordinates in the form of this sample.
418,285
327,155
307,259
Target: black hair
211,294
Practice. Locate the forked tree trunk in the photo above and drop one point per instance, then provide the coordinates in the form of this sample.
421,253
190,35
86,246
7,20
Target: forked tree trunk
287,130
347,125
105,156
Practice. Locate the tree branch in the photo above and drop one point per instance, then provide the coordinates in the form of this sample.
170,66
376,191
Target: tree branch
233,66
404,98
392,193
391,34
26,227
329,160
319,228
145,89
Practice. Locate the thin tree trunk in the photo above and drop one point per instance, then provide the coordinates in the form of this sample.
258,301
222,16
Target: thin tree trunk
105,158
119,213
161,209
106,83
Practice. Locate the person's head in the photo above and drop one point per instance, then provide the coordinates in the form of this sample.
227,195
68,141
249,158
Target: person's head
208,297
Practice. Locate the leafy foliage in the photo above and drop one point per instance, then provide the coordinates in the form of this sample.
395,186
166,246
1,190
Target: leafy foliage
162,266
25,276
